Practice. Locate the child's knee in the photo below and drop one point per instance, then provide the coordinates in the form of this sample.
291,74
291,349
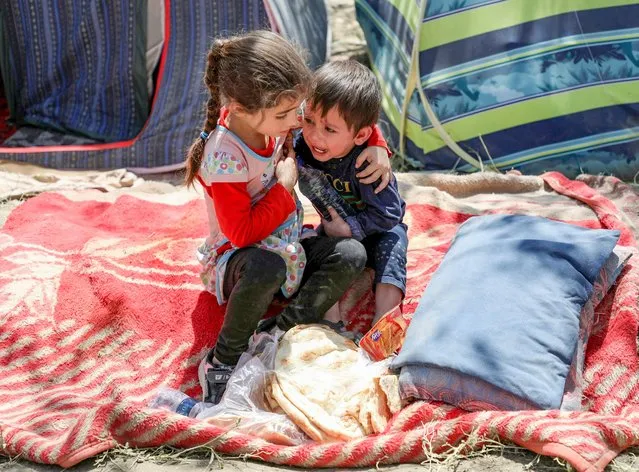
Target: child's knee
353,255
385,289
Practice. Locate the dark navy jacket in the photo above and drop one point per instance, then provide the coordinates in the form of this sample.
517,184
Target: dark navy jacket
373,213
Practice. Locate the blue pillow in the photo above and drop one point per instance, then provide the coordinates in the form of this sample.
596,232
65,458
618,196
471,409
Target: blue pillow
470,393
504,307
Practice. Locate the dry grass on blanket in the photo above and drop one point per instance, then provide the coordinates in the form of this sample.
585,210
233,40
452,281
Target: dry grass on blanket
163,455
453,458
475,447
628,461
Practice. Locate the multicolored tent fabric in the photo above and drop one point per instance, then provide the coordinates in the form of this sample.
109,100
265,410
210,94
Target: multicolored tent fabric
532,85
159,142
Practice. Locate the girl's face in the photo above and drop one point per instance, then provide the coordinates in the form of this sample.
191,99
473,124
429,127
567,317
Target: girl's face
276,121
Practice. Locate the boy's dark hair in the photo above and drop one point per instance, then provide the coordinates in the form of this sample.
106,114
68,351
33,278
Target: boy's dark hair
352,88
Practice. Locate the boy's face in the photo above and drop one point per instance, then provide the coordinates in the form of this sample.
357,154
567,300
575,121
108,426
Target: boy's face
329,137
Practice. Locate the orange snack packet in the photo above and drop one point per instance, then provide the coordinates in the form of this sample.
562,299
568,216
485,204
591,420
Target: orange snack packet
387,336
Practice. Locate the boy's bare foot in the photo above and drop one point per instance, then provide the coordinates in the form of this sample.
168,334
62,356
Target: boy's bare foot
333,314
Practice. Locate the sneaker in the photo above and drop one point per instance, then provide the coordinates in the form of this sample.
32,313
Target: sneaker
213,378
340,328
266,325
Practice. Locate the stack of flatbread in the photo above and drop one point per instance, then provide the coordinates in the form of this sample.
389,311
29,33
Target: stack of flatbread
327,388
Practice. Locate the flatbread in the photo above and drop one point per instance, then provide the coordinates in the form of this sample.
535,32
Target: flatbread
294,413
365,417
390,386
322,385
268,397
305,345
374,414
331,425
380,413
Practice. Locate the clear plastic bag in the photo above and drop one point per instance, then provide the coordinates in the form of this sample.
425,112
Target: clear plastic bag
243,407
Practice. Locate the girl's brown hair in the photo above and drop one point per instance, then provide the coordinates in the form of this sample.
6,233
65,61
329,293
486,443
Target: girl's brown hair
256,70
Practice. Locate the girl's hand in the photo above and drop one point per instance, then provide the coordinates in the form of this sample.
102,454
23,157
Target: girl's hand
378,167
286,173
337,227
287,148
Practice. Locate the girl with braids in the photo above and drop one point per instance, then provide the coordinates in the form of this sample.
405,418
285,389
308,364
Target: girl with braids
256,83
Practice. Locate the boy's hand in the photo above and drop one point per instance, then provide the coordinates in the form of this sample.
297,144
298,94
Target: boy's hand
286,173
337,227
378,167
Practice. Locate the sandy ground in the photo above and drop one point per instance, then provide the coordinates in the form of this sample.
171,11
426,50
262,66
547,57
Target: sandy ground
348,37
483,464
348,42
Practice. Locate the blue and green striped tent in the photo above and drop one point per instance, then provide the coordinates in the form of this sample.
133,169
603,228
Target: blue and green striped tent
534,85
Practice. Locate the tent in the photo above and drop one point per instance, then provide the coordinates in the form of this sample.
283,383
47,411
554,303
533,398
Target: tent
509,84
119,84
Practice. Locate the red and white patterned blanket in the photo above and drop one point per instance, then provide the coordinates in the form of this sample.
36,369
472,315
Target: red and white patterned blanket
101,304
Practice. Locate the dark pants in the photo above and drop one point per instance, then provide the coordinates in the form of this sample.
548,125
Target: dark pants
254,276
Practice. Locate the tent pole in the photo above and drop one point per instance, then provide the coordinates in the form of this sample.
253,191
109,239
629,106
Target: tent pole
414,80
411,83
